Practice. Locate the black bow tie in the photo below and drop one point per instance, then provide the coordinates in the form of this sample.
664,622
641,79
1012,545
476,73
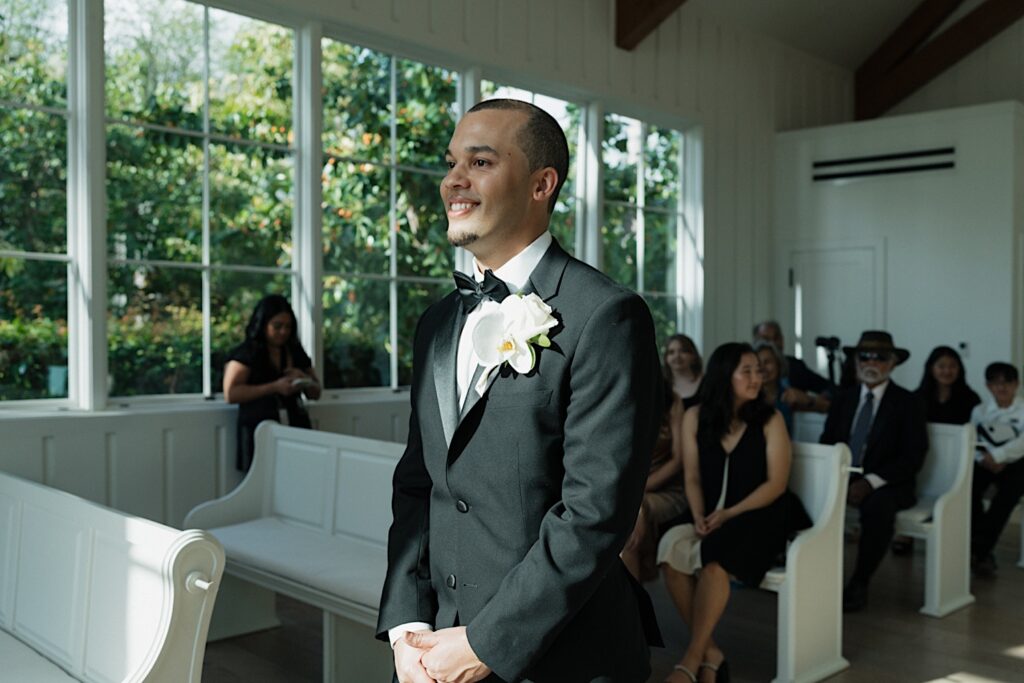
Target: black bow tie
472,292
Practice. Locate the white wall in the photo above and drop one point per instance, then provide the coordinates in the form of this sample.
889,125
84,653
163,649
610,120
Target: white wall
992,73
952,238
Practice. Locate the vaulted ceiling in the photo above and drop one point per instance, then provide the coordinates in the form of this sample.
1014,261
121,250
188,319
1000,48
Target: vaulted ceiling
894,46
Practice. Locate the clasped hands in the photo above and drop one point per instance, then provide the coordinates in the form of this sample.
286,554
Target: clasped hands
443,656
858,490
705,525
990,463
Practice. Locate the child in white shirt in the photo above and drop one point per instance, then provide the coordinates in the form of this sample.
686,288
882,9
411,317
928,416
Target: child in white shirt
999,463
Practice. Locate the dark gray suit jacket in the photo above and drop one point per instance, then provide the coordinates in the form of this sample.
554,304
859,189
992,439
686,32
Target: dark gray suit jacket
510,521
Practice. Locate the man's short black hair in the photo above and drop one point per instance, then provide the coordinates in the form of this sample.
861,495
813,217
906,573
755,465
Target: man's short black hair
1001,371
541,139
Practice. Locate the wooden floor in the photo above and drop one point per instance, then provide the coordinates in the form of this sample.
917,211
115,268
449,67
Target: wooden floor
888,642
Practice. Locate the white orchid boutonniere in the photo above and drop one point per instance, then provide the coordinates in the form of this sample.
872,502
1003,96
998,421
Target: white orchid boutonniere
507,333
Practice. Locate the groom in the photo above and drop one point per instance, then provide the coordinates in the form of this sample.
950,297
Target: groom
522,476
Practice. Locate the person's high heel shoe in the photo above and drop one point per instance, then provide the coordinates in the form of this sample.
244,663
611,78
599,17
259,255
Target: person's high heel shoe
721,671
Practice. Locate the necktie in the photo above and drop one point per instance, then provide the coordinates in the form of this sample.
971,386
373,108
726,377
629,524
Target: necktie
859,436
472,292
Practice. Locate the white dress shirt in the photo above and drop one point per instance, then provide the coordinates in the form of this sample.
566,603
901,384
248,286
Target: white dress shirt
878,391
516,274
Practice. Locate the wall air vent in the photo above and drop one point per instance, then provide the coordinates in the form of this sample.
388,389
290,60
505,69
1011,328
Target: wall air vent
885,164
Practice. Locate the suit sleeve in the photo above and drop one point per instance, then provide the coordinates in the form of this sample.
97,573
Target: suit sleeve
408,595
907,451
611,421
830,434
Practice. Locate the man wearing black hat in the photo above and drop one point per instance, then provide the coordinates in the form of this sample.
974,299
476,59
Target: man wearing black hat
884,424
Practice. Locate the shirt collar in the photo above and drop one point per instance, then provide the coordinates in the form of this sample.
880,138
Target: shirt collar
517,270
878,391
1017,404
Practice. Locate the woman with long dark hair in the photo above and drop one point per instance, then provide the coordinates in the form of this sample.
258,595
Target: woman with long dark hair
267,372
948,400
736,460
944,388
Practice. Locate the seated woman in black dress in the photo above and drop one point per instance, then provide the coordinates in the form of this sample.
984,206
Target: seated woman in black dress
949,400
266,373
736,460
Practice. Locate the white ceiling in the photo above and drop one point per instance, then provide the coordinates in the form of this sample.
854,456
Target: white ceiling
844,32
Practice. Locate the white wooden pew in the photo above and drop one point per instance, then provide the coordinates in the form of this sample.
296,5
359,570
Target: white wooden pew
942,517
810,586
91,594
310,521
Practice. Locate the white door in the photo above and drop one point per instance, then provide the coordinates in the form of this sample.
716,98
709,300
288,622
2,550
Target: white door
835,291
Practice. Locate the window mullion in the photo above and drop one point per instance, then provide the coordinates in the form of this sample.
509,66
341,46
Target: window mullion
641,202
87,232
307,226
207,275
468,94
593,182
393,227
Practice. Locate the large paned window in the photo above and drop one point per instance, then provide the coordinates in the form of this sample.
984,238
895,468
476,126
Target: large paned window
203,216
386,122
568,208
644,233
33,199
199,187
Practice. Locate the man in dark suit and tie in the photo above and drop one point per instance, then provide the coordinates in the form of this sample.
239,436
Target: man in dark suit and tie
884,425
532,425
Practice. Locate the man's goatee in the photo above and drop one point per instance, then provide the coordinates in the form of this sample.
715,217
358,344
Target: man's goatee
462,240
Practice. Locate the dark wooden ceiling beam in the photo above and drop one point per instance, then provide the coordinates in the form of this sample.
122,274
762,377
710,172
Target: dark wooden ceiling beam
637,19
914,30
878,93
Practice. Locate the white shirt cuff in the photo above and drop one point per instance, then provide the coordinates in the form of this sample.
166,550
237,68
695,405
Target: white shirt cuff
397,632
876,481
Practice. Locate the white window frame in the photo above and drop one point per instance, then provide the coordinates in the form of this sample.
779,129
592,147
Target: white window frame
87,256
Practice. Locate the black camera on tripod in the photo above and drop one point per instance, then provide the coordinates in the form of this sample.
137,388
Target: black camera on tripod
828,343
831,346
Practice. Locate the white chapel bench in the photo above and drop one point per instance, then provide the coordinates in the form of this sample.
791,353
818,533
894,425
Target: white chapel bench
91,594
310,521
810,586
942,517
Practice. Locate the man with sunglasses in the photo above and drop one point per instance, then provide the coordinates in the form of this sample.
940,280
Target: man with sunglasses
884,425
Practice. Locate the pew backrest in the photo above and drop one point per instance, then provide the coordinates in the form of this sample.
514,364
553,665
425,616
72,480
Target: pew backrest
104,595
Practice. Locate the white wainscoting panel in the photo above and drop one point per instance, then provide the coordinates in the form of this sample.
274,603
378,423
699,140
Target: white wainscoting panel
160,462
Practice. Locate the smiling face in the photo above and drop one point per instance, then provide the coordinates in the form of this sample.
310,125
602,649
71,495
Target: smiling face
1003,390
678,358
945,371
769,366
495,205
746,379
874,368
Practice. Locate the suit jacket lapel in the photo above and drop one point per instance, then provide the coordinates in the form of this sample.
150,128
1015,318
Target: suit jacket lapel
445,350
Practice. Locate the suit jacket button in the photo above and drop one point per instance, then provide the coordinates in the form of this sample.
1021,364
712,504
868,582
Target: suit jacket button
450,581
462,506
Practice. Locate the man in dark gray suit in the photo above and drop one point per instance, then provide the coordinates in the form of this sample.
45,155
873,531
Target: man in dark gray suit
532,425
